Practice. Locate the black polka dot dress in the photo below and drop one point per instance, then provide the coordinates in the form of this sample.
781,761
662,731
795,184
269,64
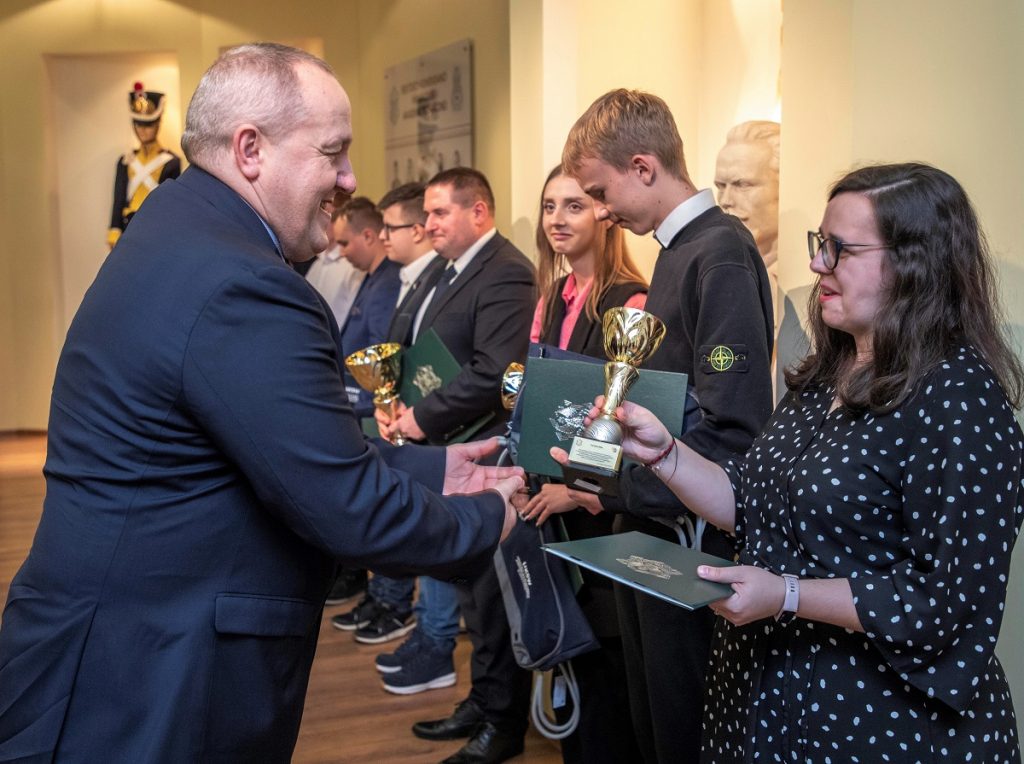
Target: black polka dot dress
919,510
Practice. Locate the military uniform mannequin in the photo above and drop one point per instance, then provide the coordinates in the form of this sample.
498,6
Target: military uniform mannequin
141,170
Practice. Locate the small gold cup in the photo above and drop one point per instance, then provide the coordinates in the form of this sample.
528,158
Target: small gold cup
511,383
378,369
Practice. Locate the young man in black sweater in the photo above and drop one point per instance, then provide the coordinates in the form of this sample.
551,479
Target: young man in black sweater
711,290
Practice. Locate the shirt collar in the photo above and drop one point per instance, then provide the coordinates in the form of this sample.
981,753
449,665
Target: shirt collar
569,295
408,274
333,254
466,257
270,231
683,215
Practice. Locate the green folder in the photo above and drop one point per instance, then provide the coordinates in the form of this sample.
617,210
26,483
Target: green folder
427,366
557,391
662,569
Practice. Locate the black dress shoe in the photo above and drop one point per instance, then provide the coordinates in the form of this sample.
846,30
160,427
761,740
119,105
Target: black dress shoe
463,722
347,586
488,746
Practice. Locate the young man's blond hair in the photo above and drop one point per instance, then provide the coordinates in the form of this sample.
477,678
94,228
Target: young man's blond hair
621,124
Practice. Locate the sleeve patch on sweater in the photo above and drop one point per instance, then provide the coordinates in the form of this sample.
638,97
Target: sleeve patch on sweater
721,359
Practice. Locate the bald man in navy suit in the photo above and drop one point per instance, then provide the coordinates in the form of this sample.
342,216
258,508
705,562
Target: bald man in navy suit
204,471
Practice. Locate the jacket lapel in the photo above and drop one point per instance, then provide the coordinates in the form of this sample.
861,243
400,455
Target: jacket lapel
475,266
581,332
401,323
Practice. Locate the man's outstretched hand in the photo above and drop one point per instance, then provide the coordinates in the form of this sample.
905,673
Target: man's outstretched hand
463,475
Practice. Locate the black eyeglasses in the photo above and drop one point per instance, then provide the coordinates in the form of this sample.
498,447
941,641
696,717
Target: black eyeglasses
832,249
388,229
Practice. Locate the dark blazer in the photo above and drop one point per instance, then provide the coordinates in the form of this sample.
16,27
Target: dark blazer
204,474
484,319
367,323
400,328
588,336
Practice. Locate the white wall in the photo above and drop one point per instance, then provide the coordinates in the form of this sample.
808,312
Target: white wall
740,60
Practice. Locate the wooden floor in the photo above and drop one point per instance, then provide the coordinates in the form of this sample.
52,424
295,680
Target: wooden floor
348,717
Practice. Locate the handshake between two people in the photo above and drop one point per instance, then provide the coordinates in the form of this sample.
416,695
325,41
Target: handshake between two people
462,474
646,438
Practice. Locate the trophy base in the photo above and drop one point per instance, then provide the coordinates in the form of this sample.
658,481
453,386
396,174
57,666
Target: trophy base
593,466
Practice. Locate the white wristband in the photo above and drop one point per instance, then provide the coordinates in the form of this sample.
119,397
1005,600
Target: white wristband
791,602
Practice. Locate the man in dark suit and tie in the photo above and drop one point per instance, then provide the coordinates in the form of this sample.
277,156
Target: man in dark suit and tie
481,309
204,470
405,238
384,613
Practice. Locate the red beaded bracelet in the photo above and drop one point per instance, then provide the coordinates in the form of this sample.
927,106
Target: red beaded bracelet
656,461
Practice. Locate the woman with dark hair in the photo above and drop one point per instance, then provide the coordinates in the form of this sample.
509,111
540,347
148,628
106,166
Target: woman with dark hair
584,269
876,515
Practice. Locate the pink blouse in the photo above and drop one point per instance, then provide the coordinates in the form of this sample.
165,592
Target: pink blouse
574,302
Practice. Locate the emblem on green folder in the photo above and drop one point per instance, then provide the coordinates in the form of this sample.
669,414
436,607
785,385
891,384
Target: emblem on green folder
567,419
426,380
639,564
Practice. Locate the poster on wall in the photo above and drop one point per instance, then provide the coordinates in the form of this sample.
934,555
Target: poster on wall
429,102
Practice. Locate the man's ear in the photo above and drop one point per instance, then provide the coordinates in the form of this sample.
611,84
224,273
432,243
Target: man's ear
247,150
370,236
646,166
480,211
419,232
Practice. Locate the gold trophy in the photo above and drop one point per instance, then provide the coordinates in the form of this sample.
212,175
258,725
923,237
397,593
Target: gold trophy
378,369
511,386
511,382
630,337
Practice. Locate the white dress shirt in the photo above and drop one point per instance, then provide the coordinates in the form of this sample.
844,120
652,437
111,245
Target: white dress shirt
337,280
460,264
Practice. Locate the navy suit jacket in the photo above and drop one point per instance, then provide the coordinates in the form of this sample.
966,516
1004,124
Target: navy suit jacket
204,474
367,323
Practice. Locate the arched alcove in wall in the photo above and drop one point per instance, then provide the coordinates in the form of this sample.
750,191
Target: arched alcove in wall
88,127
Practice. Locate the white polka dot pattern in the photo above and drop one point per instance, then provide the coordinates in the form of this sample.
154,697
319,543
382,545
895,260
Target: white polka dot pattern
919,509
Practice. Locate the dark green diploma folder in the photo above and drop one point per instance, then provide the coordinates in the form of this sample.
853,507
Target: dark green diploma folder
662,569
557,392
426,366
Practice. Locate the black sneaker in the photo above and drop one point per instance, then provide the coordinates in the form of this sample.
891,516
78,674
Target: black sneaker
428,669
387,624
389,663
357,617
348,585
